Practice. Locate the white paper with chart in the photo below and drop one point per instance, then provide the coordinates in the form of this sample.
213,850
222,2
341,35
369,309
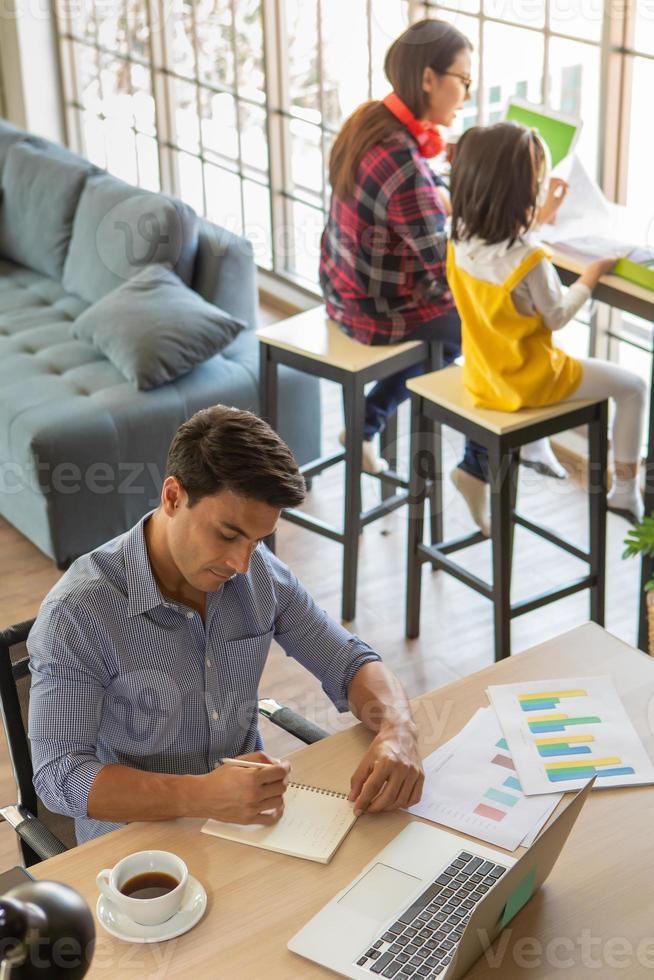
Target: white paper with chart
562,732
471,785
314,823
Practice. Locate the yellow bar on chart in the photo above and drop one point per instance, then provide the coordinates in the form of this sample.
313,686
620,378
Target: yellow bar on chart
559,717
544,695
557,739
610,761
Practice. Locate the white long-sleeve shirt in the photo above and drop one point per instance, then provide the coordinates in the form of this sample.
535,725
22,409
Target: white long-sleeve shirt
539,291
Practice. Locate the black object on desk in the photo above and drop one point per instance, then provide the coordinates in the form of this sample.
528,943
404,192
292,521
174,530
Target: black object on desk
46,930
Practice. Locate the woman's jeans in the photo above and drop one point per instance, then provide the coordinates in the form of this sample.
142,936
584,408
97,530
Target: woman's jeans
386,396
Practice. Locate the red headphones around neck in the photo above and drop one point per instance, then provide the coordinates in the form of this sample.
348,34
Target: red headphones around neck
430,141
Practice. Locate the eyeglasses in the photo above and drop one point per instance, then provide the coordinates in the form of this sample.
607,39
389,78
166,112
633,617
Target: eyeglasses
467,81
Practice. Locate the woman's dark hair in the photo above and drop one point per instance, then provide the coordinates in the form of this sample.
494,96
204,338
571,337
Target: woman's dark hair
222,448
495,182
425,44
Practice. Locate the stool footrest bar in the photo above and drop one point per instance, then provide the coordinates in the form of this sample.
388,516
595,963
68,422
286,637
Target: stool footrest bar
313,524
457,544
553,595
317,466
385,507
434,554
548,535
390,476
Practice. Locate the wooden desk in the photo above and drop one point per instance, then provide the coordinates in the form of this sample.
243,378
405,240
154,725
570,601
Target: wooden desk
598,901
630,298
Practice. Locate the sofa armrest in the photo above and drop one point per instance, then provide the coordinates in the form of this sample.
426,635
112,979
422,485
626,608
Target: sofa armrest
225,272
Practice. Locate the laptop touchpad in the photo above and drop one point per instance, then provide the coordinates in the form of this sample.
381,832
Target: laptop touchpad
380,892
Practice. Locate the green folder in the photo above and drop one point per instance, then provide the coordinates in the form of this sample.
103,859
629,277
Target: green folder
636,272
559,134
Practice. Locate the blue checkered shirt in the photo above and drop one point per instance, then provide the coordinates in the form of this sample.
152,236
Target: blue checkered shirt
120,675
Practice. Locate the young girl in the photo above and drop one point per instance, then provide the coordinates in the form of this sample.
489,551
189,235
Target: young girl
510,299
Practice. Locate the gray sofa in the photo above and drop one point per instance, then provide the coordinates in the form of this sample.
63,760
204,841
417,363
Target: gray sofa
82,450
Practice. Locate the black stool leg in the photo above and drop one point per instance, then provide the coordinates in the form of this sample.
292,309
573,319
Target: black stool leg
388,447
597,470
502,478
268,399
354,419
514,476
436,504
420,465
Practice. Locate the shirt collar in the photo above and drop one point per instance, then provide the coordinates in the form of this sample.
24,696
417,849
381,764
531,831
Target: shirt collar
142,590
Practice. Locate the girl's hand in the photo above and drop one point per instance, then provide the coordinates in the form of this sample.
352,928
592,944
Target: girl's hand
556,193
595,270
602,267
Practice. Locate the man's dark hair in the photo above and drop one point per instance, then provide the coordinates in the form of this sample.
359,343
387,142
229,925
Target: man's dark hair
495,182
221,448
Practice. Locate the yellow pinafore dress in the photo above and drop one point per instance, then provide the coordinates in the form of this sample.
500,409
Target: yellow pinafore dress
510,361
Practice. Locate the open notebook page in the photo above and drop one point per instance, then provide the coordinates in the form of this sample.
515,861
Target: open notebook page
314,823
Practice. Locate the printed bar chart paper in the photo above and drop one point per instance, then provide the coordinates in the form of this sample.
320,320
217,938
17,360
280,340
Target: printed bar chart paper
560,733
471,785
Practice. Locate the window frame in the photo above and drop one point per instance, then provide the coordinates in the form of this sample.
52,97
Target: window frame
617,53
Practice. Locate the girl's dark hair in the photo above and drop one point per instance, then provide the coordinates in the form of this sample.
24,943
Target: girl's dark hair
425,44
495,181
222,448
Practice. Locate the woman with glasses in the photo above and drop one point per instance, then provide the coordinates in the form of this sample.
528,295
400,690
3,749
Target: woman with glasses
382,265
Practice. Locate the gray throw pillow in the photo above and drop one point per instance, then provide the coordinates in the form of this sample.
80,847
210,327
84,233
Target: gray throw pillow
154,329
41,191
119,230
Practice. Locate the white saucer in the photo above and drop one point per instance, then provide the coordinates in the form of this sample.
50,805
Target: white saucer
122,927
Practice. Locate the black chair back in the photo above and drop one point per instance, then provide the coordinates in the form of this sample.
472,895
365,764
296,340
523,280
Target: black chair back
15,682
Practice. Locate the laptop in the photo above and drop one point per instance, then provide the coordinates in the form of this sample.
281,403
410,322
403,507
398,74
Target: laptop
429,904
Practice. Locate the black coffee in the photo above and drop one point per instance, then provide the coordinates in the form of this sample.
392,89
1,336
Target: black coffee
150,884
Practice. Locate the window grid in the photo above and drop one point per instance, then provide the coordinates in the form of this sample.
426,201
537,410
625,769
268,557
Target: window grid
291,191
163,78
433,7
285,188
480,96
74,108
321,98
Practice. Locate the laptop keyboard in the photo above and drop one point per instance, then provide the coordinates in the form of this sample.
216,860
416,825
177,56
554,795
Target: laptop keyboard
422,941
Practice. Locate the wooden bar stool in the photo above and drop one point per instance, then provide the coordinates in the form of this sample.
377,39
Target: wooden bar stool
440,398
313,343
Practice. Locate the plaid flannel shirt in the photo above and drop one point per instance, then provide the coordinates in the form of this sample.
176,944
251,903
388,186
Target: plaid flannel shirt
382,261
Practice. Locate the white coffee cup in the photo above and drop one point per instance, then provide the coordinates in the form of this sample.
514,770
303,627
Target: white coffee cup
145,911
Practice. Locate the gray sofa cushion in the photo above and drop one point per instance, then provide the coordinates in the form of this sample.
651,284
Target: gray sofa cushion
119,229
41,191
8,136
154,329
82,451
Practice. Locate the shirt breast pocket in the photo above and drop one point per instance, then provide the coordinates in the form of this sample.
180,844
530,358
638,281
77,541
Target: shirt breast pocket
245,660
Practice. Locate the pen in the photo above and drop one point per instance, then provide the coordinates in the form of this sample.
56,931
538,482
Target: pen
244,764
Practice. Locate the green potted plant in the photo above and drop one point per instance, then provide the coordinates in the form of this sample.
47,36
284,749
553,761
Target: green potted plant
640,541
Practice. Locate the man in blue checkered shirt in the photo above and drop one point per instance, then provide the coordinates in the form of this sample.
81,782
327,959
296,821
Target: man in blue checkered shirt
146,656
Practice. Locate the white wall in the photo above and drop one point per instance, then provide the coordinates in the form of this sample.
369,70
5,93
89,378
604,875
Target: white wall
30,72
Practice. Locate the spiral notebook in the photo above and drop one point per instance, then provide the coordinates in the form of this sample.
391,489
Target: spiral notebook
314,824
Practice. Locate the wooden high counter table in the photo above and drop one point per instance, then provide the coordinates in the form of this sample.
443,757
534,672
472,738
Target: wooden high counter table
593,918
626,296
